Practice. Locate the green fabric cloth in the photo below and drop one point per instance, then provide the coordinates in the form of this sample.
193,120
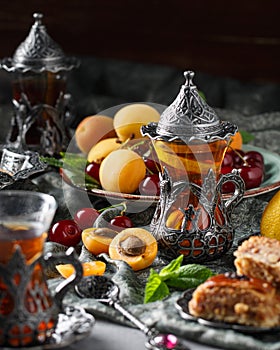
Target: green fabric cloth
163,314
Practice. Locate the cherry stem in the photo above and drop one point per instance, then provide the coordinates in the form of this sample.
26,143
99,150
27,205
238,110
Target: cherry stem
115,206
239,155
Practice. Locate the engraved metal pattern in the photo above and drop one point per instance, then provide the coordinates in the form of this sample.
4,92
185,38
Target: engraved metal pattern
39,52
73,324
34,312
53,133
25,316
189,117
196,244
32,165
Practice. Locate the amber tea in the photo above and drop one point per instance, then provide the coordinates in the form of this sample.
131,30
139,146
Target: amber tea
42,93
28,313
29,241
190,162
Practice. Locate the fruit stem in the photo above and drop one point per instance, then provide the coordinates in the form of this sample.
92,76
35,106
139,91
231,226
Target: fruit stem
239,155
115,206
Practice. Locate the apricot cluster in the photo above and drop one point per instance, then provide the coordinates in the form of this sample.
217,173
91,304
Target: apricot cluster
109,146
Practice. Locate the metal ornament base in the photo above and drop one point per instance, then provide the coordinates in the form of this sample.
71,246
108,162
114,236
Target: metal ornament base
18,165
44,121
195,243
73,324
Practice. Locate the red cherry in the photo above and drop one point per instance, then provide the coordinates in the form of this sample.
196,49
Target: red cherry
252,176
251,168
254,155
228,187
121,222
86,217
254,158
254,162
92,169
237,156
228,159
66,232
226,169
152,165
150,185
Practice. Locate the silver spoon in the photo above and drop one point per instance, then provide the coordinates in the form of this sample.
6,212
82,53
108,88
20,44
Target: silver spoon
106,291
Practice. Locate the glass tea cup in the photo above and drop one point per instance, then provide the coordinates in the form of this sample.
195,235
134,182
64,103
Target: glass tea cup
28,310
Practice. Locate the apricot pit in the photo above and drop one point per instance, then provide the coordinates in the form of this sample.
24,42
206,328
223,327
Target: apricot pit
132,245
136,246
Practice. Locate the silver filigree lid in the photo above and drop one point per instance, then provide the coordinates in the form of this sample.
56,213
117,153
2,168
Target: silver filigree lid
38,53
189,117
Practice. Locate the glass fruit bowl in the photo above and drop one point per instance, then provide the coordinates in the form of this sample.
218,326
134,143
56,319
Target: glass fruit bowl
270,183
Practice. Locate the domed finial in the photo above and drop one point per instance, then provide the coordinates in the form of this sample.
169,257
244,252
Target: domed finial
189,78
38,18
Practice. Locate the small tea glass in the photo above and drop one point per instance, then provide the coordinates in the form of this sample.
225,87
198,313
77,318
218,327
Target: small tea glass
28,311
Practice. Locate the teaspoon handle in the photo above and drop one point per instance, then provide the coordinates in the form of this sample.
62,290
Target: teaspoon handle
148,331
155,340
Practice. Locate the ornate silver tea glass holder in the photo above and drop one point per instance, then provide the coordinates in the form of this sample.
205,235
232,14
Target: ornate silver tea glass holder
70,323
41,104
190,140
195,243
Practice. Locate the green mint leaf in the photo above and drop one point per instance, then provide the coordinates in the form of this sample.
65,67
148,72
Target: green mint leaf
155,289
52,161
246,136
73,166
188,276
74,161
174,265
81,179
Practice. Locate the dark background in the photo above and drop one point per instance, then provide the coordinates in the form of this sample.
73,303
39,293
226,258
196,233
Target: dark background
239,39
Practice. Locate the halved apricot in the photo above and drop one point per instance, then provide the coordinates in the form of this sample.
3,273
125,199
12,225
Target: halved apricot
136,246
97,240
175,219
89,268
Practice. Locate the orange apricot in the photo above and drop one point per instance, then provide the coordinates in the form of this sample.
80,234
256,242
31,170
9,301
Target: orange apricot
97,240
93,129
122,171
136,246
236,141
175,219
129,119
101,150
89,268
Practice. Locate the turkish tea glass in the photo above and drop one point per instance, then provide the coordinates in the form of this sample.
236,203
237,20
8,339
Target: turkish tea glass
28,311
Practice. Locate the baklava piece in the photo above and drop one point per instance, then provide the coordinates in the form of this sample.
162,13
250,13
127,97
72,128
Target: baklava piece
259,257
236,299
